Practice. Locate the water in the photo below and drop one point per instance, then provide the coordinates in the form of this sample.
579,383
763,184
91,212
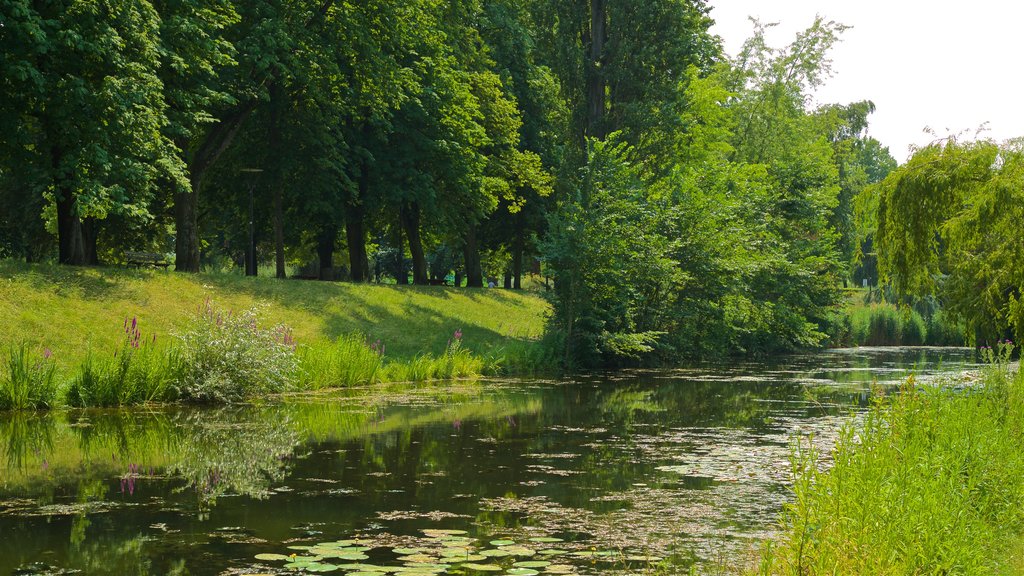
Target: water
689,466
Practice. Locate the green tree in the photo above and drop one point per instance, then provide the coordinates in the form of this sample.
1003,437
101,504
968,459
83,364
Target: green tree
949,225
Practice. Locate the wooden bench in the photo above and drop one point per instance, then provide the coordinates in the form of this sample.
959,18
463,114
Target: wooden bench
139,259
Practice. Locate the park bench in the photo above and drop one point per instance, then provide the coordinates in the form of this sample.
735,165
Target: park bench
139,259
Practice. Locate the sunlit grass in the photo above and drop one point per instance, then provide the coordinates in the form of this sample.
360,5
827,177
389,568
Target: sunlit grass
73,310
929,483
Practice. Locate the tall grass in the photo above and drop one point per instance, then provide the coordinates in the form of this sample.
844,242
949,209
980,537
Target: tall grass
930,483
348,361
29,381
456,362
884,324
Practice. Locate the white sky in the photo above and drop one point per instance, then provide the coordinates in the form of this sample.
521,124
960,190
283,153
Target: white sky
950,66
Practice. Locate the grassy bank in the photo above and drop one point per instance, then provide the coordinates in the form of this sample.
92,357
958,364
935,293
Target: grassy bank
131,336
930,482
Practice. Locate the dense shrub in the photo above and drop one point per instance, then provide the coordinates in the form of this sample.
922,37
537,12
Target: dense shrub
226,357
29,382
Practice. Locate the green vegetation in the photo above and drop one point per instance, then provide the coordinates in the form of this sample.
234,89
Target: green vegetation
28,381
177,340
76,312
929,482
869,320
948,226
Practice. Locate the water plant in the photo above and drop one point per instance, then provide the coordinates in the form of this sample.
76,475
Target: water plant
226,357
29,381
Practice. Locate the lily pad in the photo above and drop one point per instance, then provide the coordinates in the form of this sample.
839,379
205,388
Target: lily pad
495,553
502,542
553,552
560,569
483,567
519,550
297,547
441,533
406,551
522,572
418,558
321,567
272,557
532,564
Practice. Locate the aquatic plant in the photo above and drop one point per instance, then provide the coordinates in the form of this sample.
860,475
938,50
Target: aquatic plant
29,381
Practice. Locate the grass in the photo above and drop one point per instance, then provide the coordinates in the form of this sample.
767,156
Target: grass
320,335
75,310
884,324
929,483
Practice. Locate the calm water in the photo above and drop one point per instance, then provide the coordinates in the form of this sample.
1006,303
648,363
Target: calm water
688,466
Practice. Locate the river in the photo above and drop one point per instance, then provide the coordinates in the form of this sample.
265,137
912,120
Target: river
622,472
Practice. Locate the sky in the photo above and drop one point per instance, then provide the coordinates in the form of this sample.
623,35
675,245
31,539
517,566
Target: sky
953,67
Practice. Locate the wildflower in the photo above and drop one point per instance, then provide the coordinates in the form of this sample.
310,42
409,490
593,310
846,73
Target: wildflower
47,353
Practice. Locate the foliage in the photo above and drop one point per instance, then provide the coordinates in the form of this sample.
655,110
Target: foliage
348,361
928,482
29,381
948,223
226,357
138,372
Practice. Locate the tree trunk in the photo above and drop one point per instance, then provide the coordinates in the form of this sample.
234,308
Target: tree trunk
186,202
325,252
411,222
401,274
71,249
471,252
90,237
508,280
277,104
595,76
517,254
458,278
186,221
251,267
355,234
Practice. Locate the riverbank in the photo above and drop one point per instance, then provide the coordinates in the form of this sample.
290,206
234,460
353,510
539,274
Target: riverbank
930,481
60,323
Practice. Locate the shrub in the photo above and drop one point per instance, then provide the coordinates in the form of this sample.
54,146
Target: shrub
227,357
30,381
348,361
137,372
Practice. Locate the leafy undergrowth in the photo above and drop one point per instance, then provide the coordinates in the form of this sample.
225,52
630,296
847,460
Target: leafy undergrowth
929,483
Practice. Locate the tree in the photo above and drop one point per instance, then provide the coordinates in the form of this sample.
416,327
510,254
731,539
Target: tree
949,225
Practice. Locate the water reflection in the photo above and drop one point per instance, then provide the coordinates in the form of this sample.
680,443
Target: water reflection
689,465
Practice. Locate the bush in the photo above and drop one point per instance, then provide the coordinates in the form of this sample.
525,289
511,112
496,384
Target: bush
138,372
348,361
30,381
226,357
